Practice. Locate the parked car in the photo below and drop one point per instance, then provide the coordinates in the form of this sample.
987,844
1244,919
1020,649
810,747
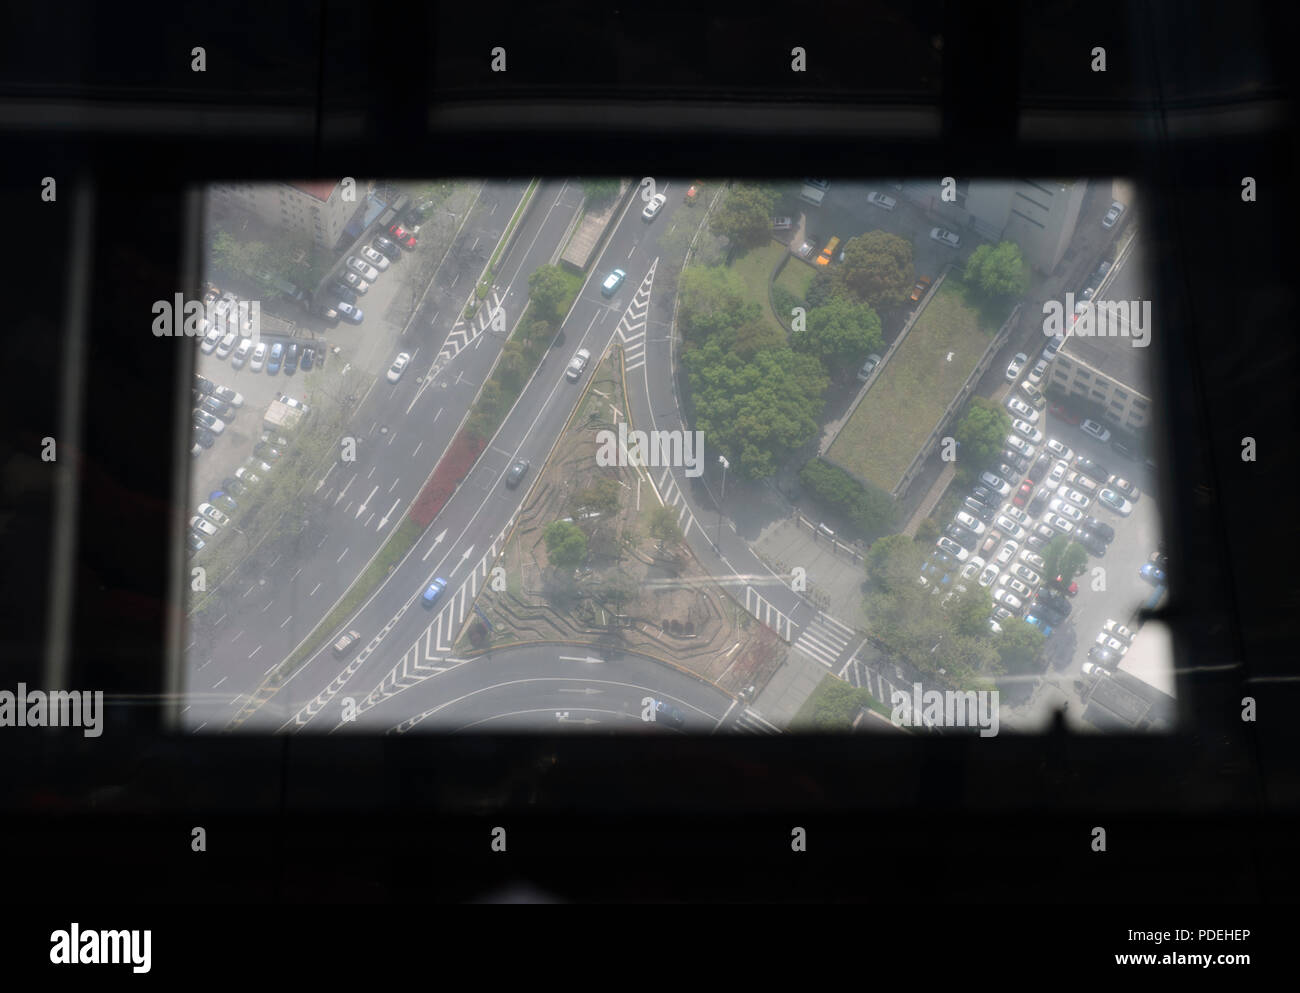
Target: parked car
213,514
258,361
881,201
1022,409
359,266
1115,502
1100,528
1096,430
291,359
1015,365
1118,630
217,408
388,247
352,281
204,419
1113,214
955,550
945,237
402,236
343,292
920,289
998,485
868,367
274,359
351,314
982,511
1027,431
227,345
376,259
308,358
1124,487
203,437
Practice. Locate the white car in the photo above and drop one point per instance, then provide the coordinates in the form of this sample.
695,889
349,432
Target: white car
1015,365
881,201
213,514
259,357
245,476
211,340
1058,472
1037,373
1018,444
989,574
398,367
204,525
972,568
1059,506
654,206
1008,599
1060,451
366,272
1010,528
1091,670
868,367
1114,644
241,353
1007,552
1112,215
996,483
1027,574
577,364
1053,346
953,549
377,260
1033,559
1088,427
1016,514
226,395
1014,585
227,345
1026,430
946,237
1022,409
1074,496
1058,522
972,525
210,421
1030,390
1117,630
994,626
1113,501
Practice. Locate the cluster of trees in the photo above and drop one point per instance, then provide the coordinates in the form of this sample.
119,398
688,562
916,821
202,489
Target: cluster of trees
998,271
982,433
296,261
919,627
871,511
840,334
566,545
756,399
745,216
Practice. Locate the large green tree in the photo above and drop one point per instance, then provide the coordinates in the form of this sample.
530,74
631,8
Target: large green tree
841,334
745,216
877,269
1019,646
713,301
998,270
894,563
1065,558
566,545
547,287
981,433
871,511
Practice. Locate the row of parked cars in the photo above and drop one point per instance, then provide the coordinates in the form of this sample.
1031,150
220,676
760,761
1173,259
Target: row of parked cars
361,270
214,407
214,515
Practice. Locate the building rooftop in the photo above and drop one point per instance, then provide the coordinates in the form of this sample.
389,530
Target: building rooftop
1151,657
1115,357
320,189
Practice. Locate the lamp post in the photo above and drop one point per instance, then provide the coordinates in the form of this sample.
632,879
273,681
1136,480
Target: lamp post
722,459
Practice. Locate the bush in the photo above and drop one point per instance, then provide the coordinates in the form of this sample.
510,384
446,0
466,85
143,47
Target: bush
784,301
871,511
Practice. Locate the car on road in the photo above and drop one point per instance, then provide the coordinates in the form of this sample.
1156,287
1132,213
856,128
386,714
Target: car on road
376,259
970,523
350,313
1058,522
388,247
203,525
359,266
1094,429
1100,528
347,644
577,364
258,360
1152,573
291,359
955,550
431,592
996,483
612,282
1022,409
920,289
1113,214
398,367
516,473
1027,431
1015,365
881,201
654,206
402,236
946,237
668,714
868,367
274,359
213,514
350,280
203,418
1117,630
1123,486
1113,501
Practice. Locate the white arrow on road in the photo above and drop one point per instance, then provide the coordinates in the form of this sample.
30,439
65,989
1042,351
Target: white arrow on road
468,551
436,542
579,658
384,520
366,501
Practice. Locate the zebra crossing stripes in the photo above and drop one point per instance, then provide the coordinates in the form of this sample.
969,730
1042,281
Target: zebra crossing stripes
824,639
674,497
766,612
751,722
464,332
632,327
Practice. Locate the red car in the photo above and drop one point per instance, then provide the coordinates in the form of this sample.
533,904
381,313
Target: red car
402,236
1070,590
1023,494
1056,410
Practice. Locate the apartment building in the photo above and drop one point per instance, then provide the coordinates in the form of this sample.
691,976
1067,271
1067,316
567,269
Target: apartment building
316,210
1109,371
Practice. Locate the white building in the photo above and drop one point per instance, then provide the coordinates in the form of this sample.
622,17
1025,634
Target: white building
316,209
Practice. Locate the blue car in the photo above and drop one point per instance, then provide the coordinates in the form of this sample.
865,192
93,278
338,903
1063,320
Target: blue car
273,361
1040,623
669,714
430,596
1152,573
612,282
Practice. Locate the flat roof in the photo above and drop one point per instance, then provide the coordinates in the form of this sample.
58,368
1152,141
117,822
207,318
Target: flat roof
320,189
1151,657
1115,357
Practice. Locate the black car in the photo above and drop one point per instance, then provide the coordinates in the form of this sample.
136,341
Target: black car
1124,450
291,360
1039,501
204,437
516,473
203,384
232,485
944,561
1041,468
308,358
669,714
218,409
1014,458
982,511
985,496
1100,528
195,541
1091,469
1036,542
345,293
1102,656
1007,473
1055,600
1089,540
223,502
1052,613
959,534
388,247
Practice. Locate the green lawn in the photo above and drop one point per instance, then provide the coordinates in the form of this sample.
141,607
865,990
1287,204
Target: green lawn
795,278
755,270
906,401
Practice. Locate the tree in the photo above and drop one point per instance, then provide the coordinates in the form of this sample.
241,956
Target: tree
1019,646
927,532
745,216
599,192
547,288
1065,558
981,432
841,334
714,301
894,563
998,271
877,269
601,497
566,545
835,704
871,511
663,524
970,611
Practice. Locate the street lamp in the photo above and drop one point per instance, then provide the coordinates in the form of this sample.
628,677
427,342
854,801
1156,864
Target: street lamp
722,459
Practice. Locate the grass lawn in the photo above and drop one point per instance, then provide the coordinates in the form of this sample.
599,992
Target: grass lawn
906,401
795,278
755,270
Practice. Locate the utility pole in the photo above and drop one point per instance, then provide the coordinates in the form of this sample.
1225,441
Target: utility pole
722,459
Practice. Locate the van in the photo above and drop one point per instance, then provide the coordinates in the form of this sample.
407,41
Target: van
347,645
812,195
828,252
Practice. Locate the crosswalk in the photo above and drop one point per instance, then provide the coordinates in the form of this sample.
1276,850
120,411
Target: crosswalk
824,639
674,497
751,722
632,327
766,612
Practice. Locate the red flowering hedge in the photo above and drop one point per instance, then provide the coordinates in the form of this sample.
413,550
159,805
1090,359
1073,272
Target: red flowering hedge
454,466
